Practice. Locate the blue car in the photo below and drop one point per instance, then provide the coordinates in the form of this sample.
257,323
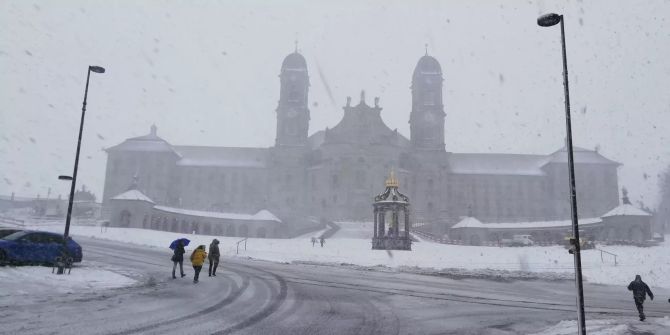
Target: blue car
36,247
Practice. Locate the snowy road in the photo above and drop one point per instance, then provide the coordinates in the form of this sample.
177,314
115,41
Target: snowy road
255,297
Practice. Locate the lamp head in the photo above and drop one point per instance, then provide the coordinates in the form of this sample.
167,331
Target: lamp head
97,69
548,20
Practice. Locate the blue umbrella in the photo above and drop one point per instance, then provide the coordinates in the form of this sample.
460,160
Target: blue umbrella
184,241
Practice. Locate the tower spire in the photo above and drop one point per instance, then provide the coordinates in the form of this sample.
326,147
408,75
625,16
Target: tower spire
296,45
426,46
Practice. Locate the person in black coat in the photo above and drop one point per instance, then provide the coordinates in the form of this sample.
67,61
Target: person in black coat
640,291
178,258
213,257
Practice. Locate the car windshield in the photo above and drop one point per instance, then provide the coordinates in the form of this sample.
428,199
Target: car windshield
5,232
14,236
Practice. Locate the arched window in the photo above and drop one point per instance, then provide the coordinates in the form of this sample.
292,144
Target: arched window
125,219
291,128
360,178
244,231
230,231
293,95
429,98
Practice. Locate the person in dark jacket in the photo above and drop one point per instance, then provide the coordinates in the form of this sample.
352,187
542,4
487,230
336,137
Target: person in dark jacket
213,257
178,258
640,291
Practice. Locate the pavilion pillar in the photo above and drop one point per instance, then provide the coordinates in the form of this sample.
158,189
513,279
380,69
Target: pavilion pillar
396,224
382,222
376,217
406,211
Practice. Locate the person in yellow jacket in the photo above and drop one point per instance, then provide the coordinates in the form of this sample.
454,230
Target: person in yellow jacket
198,258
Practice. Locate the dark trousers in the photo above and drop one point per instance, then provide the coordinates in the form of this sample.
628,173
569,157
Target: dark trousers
213,264
640,308
197,272
181,267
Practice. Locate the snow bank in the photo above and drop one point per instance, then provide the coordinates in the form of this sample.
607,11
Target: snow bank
652,263
38,280
612,327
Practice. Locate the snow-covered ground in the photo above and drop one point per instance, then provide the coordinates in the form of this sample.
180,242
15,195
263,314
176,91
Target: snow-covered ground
39,280
347,247
612,327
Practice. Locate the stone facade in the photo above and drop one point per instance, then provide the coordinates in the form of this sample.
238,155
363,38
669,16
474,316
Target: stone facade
334,173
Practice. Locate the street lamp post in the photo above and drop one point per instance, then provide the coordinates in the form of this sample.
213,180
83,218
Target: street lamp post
96,69
549,20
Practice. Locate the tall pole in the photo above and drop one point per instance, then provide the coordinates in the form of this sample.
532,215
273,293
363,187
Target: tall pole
573,193
74,178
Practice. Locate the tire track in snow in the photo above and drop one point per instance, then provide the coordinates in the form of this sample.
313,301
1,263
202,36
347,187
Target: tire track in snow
272,307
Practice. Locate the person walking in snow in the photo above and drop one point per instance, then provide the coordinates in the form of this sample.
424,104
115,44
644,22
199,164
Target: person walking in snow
322,240
178,258
198,259
640,291
313,241
213,257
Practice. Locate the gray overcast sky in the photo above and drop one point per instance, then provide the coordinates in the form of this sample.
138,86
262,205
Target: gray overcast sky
206,74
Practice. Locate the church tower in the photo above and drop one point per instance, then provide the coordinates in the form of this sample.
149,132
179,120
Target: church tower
427,117
293,112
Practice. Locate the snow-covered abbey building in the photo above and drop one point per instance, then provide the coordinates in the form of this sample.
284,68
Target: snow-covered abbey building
334,173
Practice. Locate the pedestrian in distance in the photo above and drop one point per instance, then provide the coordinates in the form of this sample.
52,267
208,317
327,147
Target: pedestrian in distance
198,259
178,258
640,291
322,241
213,257
313,241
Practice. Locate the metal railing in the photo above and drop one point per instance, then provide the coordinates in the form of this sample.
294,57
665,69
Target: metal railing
64,262
11,220
602,259
238,245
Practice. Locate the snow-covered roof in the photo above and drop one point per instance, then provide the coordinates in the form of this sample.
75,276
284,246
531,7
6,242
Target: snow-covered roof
517,164
470,222
132,195
265,214
580,155
149,143
262,215
222,156
497,164
626,210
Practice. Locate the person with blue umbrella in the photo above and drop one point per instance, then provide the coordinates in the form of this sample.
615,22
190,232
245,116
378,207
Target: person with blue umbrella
178,256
